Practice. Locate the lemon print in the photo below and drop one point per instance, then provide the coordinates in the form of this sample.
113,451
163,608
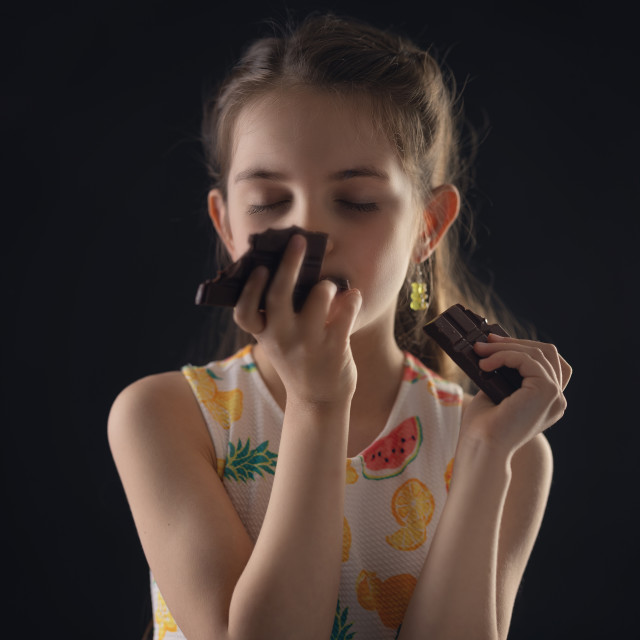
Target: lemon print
224,406
412,506
164,619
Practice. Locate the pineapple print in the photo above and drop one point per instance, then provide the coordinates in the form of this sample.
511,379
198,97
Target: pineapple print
164,619
224,406
243,463
340,626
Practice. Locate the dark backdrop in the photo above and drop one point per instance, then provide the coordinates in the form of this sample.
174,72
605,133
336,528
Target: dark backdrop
105,240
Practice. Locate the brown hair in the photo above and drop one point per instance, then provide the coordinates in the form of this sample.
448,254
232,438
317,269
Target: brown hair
413,103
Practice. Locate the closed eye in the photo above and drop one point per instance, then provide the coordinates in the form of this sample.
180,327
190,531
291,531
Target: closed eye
261,208
359,206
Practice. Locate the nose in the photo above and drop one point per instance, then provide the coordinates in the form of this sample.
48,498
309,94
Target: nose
310,216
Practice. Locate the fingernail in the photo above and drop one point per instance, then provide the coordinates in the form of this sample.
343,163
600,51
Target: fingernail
495,336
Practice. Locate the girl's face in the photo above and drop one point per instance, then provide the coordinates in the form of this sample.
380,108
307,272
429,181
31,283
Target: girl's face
310,159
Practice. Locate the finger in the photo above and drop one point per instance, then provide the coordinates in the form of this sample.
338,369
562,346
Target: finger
316,308
279,298
344,312
566,370
246,313
486,349
528,366
548,350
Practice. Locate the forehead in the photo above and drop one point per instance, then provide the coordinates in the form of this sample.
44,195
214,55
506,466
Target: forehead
310,127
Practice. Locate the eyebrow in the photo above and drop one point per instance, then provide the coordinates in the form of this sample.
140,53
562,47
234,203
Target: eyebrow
360,172
258,173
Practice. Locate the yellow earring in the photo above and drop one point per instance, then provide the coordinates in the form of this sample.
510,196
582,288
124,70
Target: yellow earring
418,296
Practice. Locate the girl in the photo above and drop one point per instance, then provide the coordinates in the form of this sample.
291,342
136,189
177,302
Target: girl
304,487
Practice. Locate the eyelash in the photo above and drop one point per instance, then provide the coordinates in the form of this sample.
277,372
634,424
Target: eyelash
261,208
364,207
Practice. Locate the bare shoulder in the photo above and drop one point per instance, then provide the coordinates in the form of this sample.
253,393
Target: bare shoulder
194,540
157,409
155,389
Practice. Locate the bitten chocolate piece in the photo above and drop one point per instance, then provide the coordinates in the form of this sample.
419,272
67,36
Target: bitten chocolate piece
267,248
456,330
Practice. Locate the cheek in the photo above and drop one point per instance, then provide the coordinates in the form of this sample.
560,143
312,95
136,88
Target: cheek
241,227
384,269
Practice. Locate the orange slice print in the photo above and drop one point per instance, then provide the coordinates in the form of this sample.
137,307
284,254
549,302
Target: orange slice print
412,503
412,506
448,473
352,474
409,537
368,589
346,539
224,406
390,598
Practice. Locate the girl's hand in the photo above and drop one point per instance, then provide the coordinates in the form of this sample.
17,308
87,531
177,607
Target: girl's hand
534,407
309,350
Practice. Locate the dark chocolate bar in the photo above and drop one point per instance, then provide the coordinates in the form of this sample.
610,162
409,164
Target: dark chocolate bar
456,330
267,248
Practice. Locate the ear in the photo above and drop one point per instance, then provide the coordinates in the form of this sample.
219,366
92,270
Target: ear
219,217
439,214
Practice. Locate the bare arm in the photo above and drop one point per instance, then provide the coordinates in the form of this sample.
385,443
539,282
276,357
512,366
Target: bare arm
498,494
215,582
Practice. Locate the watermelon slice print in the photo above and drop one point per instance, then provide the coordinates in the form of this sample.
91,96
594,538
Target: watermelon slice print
390,455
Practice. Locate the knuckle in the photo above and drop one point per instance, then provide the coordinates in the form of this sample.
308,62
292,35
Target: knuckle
560,403
238,315
553,351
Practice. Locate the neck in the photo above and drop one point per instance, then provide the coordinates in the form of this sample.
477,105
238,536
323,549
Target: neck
379,361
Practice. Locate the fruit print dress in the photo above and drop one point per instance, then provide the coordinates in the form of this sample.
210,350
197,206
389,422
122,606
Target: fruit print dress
395,489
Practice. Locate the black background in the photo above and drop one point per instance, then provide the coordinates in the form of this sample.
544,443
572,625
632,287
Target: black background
105,239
